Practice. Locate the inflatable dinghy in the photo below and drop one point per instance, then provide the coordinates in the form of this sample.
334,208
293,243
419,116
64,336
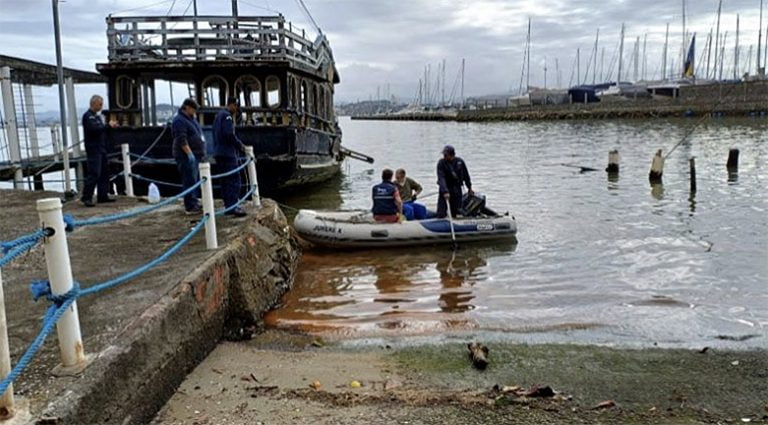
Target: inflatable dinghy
357,229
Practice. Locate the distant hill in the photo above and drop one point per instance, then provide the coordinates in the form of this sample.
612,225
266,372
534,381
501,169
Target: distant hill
368,107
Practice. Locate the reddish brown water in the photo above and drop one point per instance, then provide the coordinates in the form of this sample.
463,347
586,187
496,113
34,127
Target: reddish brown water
598,259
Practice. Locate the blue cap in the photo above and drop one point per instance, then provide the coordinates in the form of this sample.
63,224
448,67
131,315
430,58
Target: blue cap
448,149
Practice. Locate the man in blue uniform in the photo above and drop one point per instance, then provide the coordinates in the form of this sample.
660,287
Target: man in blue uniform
226,146
387,205
188,150
96,148
451,174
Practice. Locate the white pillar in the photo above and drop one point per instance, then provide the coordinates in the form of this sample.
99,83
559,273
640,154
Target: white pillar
29,102
252,175
12,131
208,208
126,150
6,401
74,130
60,276
657,168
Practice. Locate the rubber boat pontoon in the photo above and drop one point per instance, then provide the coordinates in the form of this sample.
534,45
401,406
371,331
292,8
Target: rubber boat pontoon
357,229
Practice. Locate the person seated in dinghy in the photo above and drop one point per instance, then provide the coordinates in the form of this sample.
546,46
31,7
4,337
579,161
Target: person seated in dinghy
387,205
409,189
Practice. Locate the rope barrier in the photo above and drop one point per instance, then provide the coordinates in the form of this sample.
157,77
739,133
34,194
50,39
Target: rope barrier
140,158
232,171
147,179
237,204
15,248
72,223
62,302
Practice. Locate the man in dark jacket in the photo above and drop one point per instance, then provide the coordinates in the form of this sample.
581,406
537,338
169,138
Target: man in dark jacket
96,148
387,205
451,174
188,150
226,147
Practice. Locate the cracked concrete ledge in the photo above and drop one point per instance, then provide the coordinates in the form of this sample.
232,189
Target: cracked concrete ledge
133,377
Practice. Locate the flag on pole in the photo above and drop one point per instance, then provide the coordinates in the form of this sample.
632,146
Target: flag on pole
688,68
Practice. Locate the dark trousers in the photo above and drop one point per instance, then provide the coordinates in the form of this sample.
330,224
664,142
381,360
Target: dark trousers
442,207
98,176
190,174
230,185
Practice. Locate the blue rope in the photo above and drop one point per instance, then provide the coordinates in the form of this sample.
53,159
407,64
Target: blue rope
134,212
153,160
147,179
239,202
62,302
232,171
17,247
140,270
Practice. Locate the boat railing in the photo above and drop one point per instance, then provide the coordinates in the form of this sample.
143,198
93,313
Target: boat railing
208,38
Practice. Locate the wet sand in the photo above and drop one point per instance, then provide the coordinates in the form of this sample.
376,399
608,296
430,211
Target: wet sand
267,380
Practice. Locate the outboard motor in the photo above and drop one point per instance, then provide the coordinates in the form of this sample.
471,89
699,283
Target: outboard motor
474,206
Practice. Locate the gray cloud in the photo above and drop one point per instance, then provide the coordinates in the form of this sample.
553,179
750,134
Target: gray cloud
389,42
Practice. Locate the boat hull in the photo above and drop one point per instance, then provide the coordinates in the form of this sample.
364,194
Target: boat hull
355,229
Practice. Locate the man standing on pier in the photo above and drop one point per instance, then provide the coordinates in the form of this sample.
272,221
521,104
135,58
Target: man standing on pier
188,150
96,149
226,146
451,174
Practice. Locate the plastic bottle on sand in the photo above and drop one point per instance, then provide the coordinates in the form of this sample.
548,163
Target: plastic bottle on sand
154,194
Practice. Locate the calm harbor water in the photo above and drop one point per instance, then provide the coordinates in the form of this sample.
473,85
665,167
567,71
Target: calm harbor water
597,260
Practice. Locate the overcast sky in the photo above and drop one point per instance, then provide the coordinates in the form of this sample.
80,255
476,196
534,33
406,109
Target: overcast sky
389,42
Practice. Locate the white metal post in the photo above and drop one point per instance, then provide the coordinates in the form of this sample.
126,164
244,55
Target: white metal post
74,129
208,208
60,276
126,149
252,175
12,131
6,401
29,102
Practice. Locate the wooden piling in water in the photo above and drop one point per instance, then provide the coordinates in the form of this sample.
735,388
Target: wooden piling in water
733,161
657,168
692,168
613,162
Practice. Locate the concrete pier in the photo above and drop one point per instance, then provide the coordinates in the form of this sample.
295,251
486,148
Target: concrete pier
146,335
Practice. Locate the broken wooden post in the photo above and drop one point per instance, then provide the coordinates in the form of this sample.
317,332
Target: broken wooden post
613,162
733,161
478,353
657,168
692,168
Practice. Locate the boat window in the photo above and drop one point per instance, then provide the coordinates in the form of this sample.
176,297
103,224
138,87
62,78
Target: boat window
291,92
273,91
215,89
321,102
304,97
313,101
124,89
248,90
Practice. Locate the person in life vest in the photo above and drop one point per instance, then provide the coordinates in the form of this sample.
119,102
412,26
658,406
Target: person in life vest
409,190
387,205
452,173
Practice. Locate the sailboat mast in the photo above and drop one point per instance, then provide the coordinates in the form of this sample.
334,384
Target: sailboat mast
621,54
717,37
594,62
722,54
685,39
664,55
636,59
645,58
759,40
578,66
442,86
736,51
528,71
557,72
545,72
462,83
602,63
709,50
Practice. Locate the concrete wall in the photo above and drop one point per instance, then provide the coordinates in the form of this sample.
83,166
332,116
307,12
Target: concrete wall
128,382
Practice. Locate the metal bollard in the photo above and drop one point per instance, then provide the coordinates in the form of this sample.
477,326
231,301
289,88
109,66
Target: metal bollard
252,175
208,208
60,276
6,401
126,149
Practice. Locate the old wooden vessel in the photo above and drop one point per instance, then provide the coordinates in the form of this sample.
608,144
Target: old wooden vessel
285,83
